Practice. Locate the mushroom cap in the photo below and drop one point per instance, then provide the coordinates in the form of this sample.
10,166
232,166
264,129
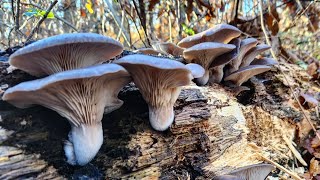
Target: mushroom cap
159,81
264,61
252,53
254,172
148,51
216,67
245,73
96,87
168,48
205,53
65,52
79,95
222,33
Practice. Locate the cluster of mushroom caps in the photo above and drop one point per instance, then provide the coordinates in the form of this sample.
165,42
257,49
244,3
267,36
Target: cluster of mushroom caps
75,83
221,53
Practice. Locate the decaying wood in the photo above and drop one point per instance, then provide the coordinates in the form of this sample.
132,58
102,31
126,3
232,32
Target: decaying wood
211,136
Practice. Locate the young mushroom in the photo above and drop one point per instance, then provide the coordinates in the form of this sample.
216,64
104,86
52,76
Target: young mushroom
251,172
205,54
168,48
245,46
159,81
216,67
65,52
79,95
222,33
245,73
250,55
264,61
147,51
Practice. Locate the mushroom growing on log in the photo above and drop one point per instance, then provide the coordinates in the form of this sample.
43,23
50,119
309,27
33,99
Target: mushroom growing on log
159,81
65,52
79,95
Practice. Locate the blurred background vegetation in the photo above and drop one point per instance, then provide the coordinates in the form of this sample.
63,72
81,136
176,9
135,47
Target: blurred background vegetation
292,25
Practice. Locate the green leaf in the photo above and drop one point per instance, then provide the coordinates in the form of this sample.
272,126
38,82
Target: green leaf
42,13
188,30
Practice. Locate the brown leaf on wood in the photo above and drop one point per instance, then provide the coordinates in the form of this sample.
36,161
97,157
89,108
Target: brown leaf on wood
272,20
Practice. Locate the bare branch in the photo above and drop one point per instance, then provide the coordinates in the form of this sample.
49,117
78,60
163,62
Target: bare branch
41,20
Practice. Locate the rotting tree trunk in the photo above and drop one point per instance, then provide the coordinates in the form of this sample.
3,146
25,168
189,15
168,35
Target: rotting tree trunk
209,126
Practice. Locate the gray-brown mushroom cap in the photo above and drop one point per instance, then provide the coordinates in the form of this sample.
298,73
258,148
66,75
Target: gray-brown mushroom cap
205,54
159,81
252,53
264,61
222,33
245,46
251,172
65,52
79,95
168,48
148,51
245,73
216,67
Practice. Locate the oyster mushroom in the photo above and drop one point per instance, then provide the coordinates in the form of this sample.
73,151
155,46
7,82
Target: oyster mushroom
264,61
245,46
251,172
159,81
65,52
222,33
252,53
168,48
205,54
245,73
148,51
216,67
79,95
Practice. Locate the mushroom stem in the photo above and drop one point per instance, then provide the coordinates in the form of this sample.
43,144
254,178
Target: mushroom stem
216,74
161,117
202,80
84,143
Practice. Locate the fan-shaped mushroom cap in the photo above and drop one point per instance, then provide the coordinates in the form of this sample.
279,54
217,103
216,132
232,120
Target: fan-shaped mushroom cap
245,73
168,48
148,51
216,67
264,61
79,95
205,54
250,55
159,81
254,172
222,33
245,46
65,52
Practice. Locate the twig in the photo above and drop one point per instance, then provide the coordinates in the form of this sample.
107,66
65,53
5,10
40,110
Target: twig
41,20
17,15
144,30
117,21
67,23
280,69
135,25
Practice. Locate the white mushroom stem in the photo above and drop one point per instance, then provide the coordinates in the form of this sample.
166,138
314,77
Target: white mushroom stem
216,74
84,143
161,117
203,80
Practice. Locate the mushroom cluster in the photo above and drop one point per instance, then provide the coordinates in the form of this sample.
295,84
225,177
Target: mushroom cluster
220,51
82,89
